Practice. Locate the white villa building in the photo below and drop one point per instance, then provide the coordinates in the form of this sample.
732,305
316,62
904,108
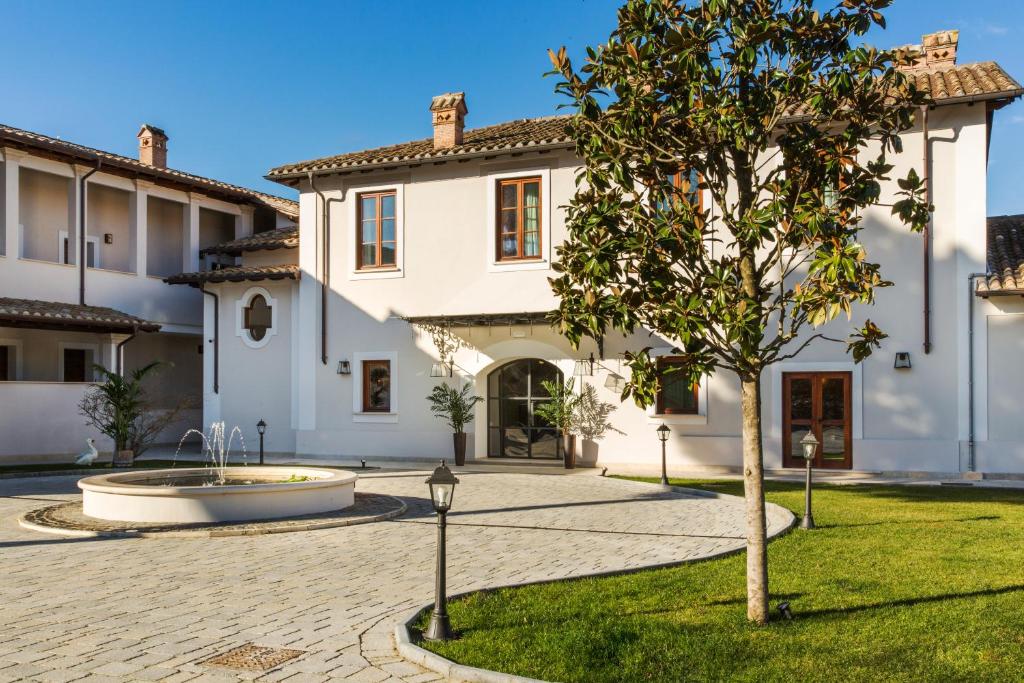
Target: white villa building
64,308
325,334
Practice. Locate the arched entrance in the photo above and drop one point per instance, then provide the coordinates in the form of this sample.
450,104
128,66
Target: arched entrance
513,431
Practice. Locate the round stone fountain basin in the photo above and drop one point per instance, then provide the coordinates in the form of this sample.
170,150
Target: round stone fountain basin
192,495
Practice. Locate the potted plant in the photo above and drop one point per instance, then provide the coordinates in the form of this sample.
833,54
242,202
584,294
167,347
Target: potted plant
559,411
120,409
456,408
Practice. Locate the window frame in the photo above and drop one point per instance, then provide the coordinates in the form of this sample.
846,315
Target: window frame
359,412
378,196
249,328
520,182
367,370
660,409
677,184
241,315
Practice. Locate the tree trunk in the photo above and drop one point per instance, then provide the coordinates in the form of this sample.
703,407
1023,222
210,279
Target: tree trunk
753,490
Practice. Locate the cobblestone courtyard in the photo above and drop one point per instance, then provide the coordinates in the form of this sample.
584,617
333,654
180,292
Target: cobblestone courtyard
156,608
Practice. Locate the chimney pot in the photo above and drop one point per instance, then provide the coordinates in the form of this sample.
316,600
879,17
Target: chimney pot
152,146
449,116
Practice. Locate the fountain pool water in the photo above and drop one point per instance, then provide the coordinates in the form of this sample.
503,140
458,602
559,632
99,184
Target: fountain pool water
221,493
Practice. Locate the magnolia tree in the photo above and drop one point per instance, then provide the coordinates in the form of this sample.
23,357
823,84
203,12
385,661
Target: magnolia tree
774,112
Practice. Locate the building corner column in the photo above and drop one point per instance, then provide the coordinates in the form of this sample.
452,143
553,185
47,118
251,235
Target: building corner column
139,225
11,189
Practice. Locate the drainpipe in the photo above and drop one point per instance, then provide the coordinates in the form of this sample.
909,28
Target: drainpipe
971,464
81,231
927,251
120,350
325,249
216,339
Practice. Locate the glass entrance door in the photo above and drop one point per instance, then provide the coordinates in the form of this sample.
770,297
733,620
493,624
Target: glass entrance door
817,402
513,429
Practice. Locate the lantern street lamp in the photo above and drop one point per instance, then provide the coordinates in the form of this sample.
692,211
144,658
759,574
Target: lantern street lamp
261,427
442,488
663,432
810,446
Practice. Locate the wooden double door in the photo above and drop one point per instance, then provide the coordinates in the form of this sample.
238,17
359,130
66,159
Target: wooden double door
818,402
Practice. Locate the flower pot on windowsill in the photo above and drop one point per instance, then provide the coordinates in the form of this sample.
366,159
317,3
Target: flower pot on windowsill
569,450
460,448
124,458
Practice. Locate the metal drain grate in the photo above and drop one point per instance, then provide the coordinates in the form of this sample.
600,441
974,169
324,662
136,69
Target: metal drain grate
250,657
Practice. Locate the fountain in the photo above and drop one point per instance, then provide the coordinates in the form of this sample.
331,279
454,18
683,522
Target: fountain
218,493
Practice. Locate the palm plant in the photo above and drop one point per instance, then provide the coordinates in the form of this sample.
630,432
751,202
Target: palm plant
455,407
559,411
120,409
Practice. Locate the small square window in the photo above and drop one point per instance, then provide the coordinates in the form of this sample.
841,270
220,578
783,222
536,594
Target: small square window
676,396
376,386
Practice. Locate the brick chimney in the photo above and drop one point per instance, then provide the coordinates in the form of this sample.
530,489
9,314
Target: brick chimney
449,114
936,50
152,146
940,48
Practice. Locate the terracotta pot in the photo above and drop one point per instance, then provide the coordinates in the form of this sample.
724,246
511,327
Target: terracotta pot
569,450
460,448
124,458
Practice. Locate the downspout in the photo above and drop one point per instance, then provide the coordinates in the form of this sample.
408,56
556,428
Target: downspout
120,350
216,339
325,250
927,250
971,464
82,230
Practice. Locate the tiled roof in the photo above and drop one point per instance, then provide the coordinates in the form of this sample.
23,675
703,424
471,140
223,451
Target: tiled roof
283,238
947,85
1005,257
16,137
236,274
519,135
986,80
55,315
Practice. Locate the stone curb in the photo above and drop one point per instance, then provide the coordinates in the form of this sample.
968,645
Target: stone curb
454,671
216,533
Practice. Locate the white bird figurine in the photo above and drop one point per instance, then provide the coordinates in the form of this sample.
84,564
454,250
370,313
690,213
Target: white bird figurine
89,455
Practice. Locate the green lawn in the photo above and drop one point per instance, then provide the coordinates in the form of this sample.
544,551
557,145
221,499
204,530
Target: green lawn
897,583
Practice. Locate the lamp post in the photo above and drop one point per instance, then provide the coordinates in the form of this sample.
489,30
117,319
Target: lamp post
261,427
442,488
810,446
663,432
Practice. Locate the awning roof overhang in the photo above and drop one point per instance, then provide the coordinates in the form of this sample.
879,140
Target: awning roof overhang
480,319
53,315
235,274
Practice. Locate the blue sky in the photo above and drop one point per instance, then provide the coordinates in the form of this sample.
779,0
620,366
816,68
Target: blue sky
241,87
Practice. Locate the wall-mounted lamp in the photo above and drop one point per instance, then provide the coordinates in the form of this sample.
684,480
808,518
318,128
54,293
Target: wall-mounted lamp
584,367
902,361
441,369
344,367
108,238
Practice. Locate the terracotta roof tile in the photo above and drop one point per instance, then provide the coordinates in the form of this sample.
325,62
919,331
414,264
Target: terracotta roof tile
53,314
283,238
521,134
984,80
236,274
1005,257
24,138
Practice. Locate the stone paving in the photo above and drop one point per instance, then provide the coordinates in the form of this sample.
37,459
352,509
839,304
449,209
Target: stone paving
145,609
